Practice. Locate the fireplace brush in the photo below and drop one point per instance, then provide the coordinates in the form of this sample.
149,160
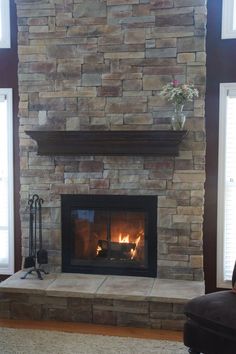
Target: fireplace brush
37,255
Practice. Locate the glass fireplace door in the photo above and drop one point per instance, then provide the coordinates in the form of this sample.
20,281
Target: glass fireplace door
109,234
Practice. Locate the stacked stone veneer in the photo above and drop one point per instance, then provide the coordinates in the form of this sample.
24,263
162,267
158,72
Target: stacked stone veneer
100,64
158,314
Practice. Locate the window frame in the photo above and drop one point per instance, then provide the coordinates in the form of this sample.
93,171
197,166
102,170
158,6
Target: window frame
225,88
8,92
5,41
227,30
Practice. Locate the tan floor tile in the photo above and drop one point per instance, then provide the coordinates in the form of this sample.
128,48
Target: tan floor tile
178,290
76,285
126,287
29,285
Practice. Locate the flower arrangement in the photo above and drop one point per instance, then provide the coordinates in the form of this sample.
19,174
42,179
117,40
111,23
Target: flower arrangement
179,93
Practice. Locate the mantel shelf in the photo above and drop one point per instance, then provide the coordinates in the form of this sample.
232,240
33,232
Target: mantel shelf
149,142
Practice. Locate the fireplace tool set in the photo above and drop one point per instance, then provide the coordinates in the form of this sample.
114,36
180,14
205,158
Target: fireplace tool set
37,255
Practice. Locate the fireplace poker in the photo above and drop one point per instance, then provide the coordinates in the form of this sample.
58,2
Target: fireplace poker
42,254
30,260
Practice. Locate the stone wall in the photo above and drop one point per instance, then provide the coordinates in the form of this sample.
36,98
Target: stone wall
100,64
159,314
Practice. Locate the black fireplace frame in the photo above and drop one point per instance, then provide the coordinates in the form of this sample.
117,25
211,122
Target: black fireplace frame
147,204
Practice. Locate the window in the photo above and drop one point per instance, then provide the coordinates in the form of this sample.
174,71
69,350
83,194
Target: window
226,226
4,24
228,19
6,183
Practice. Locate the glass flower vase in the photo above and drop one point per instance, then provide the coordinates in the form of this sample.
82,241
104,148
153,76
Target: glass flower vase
178,118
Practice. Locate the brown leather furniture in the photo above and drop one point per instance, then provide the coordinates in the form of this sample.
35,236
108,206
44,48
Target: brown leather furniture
211,323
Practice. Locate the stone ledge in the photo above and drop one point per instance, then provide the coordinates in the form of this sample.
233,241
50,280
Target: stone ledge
110,300
104,286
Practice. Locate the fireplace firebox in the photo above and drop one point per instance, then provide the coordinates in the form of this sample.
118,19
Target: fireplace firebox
109,234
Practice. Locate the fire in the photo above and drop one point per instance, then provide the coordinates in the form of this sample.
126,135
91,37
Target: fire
99,249
123,239
122,247
134,251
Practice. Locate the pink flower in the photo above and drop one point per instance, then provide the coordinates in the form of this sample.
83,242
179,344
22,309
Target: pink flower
175,83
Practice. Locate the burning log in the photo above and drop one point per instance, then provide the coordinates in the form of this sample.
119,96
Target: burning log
115,250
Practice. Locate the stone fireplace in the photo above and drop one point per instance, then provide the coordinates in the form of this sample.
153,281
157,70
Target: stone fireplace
99,65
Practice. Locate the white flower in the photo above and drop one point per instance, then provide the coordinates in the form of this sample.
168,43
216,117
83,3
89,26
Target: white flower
179,93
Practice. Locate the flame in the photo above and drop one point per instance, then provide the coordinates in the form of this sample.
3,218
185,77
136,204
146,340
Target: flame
99,249
126,239
123,239
134,251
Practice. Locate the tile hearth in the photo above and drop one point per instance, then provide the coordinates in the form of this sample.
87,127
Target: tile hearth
101,299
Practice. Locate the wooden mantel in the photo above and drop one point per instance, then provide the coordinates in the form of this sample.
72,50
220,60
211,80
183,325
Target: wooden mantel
149,142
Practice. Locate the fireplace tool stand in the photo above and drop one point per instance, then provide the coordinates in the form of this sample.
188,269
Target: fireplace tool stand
37,255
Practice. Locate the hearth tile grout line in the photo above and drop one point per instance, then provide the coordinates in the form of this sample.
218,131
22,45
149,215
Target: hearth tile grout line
100,286
149,294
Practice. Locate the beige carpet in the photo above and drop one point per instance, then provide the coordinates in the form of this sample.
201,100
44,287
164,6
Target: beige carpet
25,341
